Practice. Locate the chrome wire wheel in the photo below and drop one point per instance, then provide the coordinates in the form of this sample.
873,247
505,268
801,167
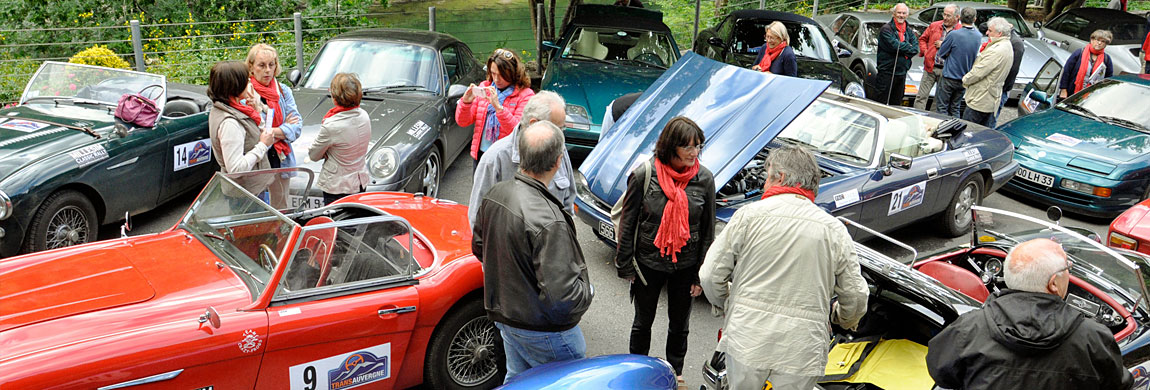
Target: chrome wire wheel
431,167
967,198
67,227
472,357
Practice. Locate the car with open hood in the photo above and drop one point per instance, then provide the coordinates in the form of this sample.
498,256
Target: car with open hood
604,52
881,165
1090,153
739,35
66,160
910,303
1038,51
857,33
1071,31
411,82
376,289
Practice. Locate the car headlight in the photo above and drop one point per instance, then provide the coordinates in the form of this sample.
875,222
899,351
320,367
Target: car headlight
855,89
1085,188
577,117
582,189
1121,241
383,163
5,206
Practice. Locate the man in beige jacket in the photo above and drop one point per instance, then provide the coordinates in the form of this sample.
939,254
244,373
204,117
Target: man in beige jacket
783,258
984,81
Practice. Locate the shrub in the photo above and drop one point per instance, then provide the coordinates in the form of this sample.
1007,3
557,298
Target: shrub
99,56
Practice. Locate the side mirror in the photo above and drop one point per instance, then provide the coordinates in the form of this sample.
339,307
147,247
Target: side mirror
210,317
1054,214
293,76
716,41
1038,24
896,161
550,45
456,91
844,53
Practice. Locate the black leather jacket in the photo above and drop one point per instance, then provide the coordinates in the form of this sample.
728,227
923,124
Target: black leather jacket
648,215
521,227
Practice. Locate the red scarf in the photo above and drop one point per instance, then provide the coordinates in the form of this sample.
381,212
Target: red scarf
674,230
246,109
770,55
1085,63
777,190
983,46
901,31
271,93
338,109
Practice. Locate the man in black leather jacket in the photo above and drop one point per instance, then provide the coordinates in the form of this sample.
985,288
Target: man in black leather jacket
1027,337
535,280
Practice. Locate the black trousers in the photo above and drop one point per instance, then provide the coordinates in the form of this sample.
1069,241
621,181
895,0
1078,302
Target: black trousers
979,117
646,299
890,88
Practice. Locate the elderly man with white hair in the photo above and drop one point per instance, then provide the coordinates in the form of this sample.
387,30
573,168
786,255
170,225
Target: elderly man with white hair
897,44
1027,337
983,82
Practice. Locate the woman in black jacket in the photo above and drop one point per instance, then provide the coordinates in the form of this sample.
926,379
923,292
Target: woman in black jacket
666,227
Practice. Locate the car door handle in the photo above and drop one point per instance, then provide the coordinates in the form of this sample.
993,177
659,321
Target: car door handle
397,310
931,173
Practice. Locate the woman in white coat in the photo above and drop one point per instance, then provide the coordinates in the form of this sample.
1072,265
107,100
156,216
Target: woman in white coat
342,141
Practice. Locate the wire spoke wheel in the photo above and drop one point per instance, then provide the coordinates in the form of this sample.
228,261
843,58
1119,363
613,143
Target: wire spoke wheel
471,357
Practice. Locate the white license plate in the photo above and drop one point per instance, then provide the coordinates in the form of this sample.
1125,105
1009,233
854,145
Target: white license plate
313,202
1035,177
606,229
1029,104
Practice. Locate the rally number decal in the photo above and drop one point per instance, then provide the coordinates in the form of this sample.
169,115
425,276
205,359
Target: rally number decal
192,154
906,198
344,371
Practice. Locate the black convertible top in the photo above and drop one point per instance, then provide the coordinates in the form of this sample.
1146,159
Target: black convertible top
618,17
434,39
1106,15
771,15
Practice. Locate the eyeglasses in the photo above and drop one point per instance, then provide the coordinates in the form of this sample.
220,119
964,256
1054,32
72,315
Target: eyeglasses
503,52
1069,264
1103,40
698,147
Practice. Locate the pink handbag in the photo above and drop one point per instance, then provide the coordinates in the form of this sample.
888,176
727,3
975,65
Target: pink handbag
137,109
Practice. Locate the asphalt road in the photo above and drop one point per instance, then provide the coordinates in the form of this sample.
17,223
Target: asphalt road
606,324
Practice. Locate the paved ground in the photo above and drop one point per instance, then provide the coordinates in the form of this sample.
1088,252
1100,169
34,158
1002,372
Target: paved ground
607,324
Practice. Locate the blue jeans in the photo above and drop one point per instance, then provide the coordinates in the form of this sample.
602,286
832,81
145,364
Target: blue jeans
948,97
529,348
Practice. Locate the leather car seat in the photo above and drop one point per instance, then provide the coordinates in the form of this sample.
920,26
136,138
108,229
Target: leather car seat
588,45
179,107
321,242
647,43
958,278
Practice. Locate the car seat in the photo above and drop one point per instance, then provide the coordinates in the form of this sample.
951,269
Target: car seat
588,45
958,278
647,44
321,243
179,107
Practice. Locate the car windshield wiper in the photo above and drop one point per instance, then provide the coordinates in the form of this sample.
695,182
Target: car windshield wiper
796,141
841,154
1084,110
586,57
651,64
1124,123
394,88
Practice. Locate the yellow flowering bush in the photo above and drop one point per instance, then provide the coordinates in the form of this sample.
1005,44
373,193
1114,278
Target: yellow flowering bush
100,56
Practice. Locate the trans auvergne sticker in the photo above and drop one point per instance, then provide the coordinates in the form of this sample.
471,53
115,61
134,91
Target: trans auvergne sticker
191,154
346,371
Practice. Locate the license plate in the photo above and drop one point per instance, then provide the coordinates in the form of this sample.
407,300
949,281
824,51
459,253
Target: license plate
313,202
606,229
1035,177
1029,104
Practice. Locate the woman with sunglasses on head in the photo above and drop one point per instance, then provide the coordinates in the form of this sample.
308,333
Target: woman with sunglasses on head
668,223
496,105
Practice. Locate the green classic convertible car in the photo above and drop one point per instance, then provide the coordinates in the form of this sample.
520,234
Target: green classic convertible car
67,165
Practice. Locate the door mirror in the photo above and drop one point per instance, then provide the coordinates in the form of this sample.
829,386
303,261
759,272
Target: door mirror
293,76
550,45
716,41
456,91
1037,25
210,317
844,53
897,161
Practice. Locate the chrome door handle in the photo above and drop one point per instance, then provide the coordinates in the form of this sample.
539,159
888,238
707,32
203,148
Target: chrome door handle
397,310
931,173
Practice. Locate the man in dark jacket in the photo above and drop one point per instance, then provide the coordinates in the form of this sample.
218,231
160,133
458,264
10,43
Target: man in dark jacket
535,285
1019,49
1027,337
897,44
958,49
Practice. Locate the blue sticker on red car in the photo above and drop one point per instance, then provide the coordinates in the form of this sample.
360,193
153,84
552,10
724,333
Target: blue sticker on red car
344,371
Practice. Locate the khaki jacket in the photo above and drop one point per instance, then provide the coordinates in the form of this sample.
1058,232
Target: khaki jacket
984,81
784,258
342,145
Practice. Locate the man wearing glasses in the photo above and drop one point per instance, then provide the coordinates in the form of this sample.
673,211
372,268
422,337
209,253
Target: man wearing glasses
1027,336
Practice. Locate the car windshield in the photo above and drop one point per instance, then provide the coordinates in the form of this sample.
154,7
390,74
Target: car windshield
1108,101
378,65
1091,259
873,29
95,84
639,47
807,40
836,131
1126,32
1010,15
231,218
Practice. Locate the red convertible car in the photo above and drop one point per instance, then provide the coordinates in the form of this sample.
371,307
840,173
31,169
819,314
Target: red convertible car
1131,230
378,288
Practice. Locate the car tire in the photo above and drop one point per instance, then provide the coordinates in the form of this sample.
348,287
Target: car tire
860,71
432,174
466,351
66,218
956,218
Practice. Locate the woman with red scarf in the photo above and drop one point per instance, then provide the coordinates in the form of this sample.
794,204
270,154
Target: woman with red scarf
342,141
776,55
667,226
1088,65
264,66
239,140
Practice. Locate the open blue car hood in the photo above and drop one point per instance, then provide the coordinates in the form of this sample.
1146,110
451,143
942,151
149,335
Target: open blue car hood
739,110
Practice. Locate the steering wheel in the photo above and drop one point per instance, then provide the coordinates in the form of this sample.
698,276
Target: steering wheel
829,146
650,58
266,251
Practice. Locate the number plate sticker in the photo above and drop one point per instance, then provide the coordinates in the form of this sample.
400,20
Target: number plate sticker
1035,177
1029,103
313,202
191,154
606,229
906,198
344,371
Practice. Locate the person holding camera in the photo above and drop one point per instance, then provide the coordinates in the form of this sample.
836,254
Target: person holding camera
495,105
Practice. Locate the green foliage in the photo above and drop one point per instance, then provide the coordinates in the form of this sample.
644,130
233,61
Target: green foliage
679,15
99,56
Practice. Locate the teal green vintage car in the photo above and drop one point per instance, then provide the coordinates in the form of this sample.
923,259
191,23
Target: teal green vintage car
67,165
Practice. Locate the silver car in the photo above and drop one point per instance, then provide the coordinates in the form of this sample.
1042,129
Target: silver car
862,44
1071,31
1037,51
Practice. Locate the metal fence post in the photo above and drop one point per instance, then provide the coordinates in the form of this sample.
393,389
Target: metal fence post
431,18
137,45
298,19
696,34
865,4
762,4
542,25
815,9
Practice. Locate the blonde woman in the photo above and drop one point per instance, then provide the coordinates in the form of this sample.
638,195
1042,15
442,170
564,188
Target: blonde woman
776,55
263,67
342,141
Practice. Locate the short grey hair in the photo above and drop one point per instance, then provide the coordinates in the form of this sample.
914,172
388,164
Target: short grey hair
797,166
1029,269
895,8
967,16
1000,25
539,153
538,108
951,6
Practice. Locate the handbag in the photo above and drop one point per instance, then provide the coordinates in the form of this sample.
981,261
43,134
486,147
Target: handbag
137,109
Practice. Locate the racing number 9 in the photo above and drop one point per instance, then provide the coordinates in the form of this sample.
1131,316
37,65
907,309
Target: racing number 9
309,378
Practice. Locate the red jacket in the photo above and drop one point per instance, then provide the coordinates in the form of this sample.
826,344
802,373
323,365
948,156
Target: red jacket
926,42
1146,48
476,113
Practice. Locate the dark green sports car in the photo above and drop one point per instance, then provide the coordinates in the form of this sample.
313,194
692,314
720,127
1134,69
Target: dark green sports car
67,165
